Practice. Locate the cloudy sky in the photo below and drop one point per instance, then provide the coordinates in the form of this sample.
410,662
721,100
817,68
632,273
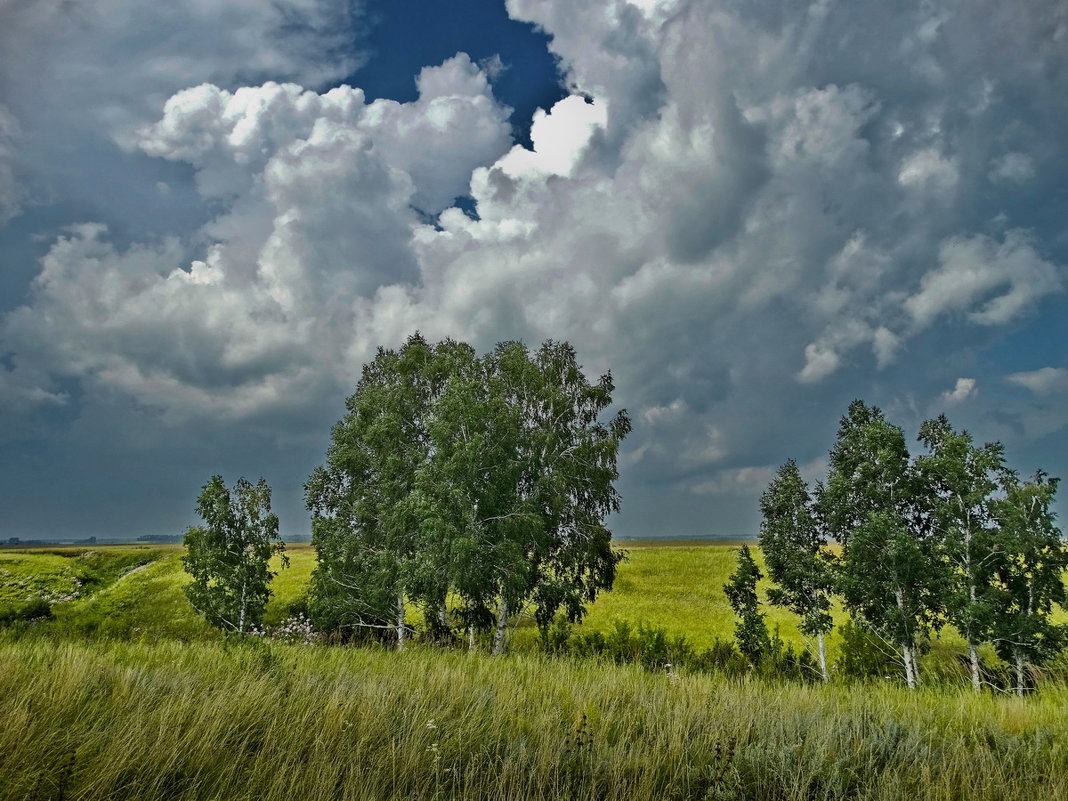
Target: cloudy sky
752,213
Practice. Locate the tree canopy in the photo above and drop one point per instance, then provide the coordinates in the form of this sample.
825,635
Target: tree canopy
487,479
950,536
228,556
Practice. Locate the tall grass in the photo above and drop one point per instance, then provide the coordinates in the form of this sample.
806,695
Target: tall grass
267,721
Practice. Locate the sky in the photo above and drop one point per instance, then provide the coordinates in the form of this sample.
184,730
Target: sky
211,214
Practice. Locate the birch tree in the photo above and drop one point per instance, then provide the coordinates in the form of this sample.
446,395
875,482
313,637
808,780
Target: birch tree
890,576
228,556
793,541
962,480
1032,561
488,479
543,507
370,554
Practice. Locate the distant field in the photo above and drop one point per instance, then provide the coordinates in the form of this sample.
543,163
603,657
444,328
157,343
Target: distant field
677,586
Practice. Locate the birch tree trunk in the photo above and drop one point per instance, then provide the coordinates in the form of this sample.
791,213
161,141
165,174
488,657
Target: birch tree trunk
973,648
907,654
502,627
470,638
910,670
241,611
1020,687
822,644
402,631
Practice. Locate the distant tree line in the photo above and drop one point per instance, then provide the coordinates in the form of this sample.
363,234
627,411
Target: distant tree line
951,536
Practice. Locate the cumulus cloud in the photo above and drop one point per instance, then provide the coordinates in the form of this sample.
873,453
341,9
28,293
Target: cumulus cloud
1046,381
928,169
83,75
962,391
992,282
320,191
749,214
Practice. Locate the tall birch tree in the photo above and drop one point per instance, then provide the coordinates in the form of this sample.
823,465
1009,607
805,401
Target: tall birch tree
961,480
1030,569
890,576
793,542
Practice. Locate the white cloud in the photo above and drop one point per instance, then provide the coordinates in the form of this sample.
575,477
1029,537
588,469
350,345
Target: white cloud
319,191
437,140
80,76
559,139
963,390
992,282
1046,381
820,362
928,169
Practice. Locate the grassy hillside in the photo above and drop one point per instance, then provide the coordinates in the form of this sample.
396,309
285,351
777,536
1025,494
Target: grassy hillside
63,574
136,593
675,586
267,721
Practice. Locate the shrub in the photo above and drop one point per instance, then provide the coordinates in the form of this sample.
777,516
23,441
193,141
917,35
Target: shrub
33,609
864,655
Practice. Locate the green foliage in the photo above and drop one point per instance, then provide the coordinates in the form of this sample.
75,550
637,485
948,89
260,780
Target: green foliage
649,646
1031,560
864,655
484,479
750,632
891,576
792,540
34,609
228,557
960,480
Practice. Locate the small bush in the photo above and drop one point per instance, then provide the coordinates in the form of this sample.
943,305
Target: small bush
649,646
864,655
34,609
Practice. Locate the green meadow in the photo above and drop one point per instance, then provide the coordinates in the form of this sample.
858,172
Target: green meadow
126,694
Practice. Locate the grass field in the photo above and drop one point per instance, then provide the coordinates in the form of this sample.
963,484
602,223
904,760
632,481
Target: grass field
267,721
126,693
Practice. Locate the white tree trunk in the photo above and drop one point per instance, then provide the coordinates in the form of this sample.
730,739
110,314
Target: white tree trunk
502,627
973,657
471,638
241,610
402,631
443,619
908,656
822,644
1021,688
